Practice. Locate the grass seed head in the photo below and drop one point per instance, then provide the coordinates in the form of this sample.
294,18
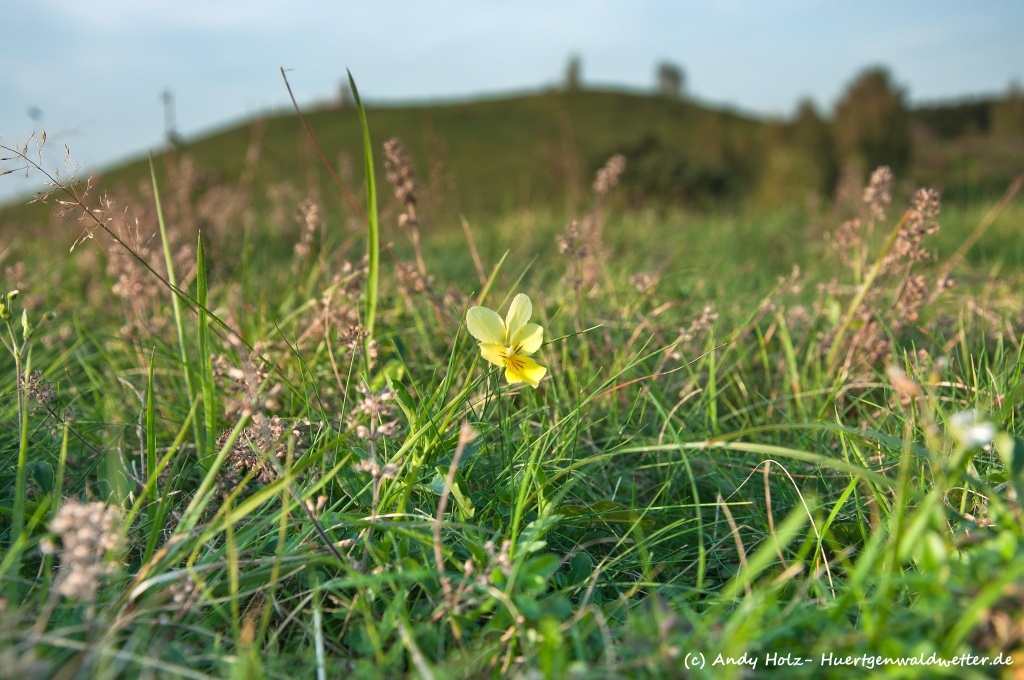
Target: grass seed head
88,532
262,438
571,241
878,193
847,240
925,207
411,280
309,218
607,177
400,171
377,408
247,385
700,326
643,281
902,383
38,388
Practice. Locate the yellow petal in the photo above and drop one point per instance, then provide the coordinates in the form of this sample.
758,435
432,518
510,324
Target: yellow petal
522,369
485,325
494,353
518,315
528,340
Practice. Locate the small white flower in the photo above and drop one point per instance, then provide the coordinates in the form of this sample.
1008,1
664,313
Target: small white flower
969,431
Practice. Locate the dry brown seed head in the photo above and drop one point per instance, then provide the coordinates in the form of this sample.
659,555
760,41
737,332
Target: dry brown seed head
878,193
411,280
38,388
902,383
608,176
309,217
399,170
847,236
642,281
920,222
378,408
88,532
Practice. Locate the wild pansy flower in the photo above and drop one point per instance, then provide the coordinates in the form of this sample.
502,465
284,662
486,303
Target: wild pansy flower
509,343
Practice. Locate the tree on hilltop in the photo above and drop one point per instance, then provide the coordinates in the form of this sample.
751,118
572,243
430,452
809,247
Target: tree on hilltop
812,138
671,80
1008,112
871,122
573,74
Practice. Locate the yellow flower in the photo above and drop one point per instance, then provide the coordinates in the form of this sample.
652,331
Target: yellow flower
509,343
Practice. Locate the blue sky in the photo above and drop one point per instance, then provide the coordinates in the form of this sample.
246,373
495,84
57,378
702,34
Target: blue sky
95,69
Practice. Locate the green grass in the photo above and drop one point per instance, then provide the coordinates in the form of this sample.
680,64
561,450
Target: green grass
681,486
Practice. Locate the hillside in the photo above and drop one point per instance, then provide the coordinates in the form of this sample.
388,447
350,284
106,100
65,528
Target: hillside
487,157
483,157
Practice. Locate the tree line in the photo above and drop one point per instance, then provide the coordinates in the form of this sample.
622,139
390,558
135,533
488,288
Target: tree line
872,124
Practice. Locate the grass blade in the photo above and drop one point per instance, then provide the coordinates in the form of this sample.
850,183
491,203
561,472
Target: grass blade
150,421
372,244
179,324
205,361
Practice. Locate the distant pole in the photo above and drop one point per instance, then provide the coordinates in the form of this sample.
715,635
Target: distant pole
345,99
169,124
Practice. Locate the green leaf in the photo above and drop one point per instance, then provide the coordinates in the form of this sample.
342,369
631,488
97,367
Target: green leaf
603,512
537,571
552,654
469,452
528,547
558,606
527,606
581,566
543,490
406,403
42,474
458,490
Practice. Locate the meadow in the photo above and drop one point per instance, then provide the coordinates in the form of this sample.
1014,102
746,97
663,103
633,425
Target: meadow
256,430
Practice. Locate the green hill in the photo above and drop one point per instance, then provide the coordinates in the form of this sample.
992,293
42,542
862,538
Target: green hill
487,157
494,155
541,150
